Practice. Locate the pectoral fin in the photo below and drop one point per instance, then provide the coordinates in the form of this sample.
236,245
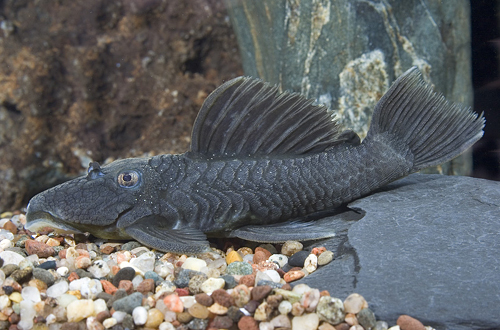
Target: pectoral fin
299,230
151,232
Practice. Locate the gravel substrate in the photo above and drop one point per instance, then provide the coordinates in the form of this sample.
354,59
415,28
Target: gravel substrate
62,282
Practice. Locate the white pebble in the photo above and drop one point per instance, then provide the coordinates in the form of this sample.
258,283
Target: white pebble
10,257
301,288
166,326
396,327
187,301
119,316
140,315
51,318
58,289
80,309
63,271
266,326
311,263
5,244
261,276
66,299
280,259
273,275
194,264
31,293
137,280
99,269
100,306
248,258
164,269
89,288
212,284
5,234
4,301
109,322
285,307
145,262
306,322
27,312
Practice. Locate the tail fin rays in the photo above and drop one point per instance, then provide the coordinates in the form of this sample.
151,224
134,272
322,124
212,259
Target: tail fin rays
434,129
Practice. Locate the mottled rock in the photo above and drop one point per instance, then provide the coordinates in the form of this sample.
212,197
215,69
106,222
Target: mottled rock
40,249
366,318
289,248
239,268
330,309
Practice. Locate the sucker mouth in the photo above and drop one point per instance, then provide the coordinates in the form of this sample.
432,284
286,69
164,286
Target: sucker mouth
35,221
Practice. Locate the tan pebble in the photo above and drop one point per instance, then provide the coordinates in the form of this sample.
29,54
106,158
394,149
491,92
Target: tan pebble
297,309
155,318
351,319
42,238
354,303
83,262
325,258
233,256
52,242
291,247
245,250
241,295
293,275
326,326
218,309
184,317
311,263
356,327
262,312
199,311
407,322
40,285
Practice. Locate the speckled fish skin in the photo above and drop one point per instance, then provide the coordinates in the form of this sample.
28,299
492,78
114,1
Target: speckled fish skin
262,166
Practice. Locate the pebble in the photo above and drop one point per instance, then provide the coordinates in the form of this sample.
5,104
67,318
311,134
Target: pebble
285,307
222,322
212,284
155,318
218,309
128,303
145,262
366,318
311,263
293,275
199,311
306,322
289,248
40,249
298,259
248,323
140,315
173,303
354,303
239,268
260,292
44,275
381,325
194,264
80,309
126,273
310,300
279,259
325,258
204,299
233,256
99,269
196,282
406,322
330,309
241,295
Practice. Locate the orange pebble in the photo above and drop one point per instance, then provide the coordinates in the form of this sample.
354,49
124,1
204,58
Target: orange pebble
108,287
293,275
324,293
115,269
318,250
73,276
173,303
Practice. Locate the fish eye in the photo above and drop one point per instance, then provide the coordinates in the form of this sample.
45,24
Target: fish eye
128,179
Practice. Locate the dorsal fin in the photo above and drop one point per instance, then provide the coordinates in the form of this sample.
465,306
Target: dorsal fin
246,116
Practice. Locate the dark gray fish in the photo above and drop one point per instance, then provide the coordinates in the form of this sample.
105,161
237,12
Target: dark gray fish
262,166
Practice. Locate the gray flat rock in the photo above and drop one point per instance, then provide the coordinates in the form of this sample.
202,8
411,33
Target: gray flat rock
428,247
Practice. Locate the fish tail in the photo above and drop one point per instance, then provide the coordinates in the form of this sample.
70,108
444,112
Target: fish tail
432,128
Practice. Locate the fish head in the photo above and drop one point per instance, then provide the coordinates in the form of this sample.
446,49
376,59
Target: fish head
98,202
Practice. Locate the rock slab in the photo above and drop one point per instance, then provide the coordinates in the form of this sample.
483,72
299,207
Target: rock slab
426,247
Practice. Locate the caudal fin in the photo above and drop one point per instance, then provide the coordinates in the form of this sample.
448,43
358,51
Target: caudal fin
434,129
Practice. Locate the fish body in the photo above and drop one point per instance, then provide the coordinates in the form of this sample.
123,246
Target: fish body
262,166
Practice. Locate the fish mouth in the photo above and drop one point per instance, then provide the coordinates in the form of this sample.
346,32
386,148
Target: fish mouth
38,220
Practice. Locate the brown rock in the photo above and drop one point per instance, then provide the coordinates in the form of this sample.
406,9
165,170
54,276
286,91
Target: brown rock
127,286
101,316
107,249
40,249
222,322
223,298
406,322
247,323
204,299
258,257
248,280
342,326
260,292
148,285
122,79
10,226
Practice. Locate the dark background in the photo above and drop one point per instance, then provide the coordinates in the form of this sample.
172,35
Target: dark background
485,23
